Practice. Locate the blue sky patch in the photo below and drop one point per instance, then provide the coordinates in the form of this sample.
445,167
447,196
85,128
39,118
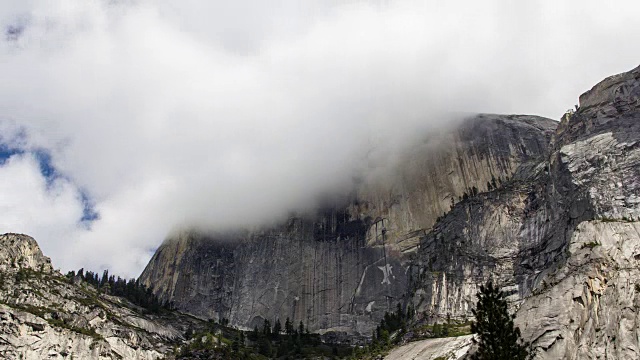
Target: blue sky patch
6,153
89,213
51,174
46,167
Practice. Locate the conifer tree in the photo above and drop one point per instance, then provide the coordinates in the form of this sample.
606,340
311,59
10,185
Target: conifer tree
253,336
288,327
499,339
266,328
105,278
277,328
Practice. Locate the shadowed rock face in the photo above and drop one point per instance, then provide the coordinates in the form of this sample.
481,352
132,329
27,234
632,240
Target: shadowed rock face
342,267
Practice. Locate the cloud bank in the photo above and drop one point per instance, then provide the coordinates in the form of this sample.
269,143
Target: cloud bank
157,114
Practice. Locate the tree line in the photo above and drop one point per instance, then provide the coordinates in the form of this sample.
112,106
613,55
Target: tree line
130,289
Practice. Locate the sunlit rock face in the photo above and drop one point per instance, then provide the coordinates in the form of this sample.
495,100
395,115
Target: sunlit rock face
20,251
432,349
587,305
342,267
44,315
561,237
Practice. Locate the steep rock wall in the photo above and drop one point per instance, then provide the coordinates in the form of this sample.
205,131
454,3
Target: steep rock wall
341,268
587,305
482,153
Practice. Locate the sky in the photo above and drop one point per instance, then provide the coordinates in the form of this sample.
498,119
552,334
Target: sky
123,120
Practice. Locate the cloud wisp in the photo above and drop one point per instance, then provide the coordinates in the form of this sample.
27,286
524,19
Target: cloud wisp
157,114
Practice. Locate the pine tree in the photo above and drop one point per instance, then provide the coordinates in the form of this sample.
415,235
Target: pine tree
410,312
277,328
235,346
499,339
385,338
266,328
105,278
446,327
264,346
253,336
437,330
288,327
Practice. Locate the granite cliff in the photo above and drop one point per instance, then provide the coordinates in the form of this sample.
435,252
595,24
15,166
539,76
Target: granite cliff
342,267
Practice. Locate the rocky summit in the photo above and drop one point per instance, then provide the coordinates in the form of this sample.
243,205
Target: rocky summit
549,211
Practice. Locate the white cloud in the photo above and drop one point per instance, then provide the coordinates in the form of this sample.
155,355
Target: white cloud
226,113
49,211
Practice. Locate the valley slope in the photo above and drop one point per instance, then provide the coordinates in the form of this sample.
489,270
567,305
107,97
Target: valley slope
45,315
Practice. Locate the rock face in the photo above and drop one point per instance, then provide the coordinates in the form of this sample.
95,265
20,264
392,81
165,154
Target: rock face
587,304
589,307
562,237
341,268
45,316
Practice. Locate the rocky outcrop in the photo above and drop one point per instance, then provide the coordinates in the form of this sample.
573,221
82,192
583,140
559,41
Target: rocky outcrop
341,268
45,315
19,251
433,349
